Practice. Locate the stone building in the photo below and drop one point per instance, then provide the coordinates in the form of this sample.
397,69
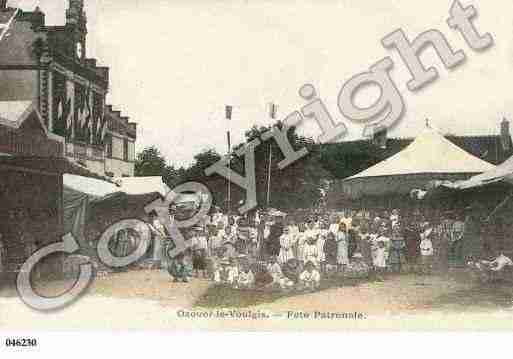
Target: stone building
53,121
49,67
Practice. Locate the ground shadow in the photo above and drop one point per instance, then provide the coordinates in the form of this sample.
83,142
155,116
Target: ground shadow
219,296
487,296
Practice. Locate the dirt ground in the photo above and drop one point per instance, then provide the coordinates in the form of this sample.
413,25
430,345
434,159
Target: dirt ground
149,299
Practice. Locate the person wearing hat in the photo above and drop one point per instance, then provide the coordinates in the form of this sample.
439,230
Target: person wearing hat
346,219
310,279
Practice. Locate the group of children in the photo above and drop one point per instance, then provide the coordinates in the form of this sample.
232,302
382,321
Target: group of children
284,254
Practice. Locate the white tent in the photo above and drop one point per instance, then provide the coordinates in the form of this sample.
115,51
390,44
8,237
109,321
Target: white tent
429,153
142,185
429,157
503,172
90,186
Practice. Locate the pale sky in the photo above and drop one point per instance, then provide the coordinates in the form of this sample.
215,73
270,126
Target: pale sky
175,64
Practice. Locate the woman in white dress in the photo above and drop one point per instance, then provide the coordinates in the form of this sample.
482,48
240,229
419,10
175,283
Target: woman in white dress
287,242
342,247
300,243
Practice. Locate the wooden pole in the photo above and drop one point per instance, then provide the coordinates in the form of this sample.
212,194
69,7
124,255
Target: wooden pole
272,115
269,175
228,112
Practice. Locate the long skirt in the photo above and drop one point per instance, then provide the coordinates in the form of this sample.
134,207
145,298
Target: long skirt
199,260
342,252
285,255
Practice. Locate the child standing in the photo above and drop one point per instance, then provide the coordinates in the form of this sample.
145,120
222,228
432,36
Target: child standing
199,253
380,261
426,254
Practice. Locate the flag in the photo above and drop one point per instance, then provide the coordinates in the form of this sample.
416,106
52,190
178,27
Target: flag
104,131
90,132
229,110
87,108
69,119
273,110
60,112
81,118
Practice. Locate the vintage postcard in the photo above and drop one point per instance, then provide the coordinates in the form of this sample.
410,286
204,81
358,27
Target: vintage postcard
255,165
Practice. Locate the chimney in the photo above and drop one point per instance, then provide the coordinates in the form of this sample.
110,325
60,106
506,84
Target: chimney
380,137
37,18
75,14
505,135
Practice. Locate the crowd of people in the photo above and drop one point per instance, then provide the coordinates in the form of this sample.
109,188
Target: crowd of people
291,252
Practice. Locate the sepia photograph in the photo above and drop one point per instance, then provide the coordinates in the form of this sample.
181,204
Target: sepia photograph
255,166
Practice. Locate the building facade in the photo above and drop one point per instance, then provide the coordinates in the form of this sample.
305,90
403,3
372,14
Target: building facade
48,66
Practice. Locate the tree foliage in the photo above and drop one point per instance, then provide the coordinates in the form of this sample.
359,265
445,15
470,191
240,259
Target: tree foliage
299,185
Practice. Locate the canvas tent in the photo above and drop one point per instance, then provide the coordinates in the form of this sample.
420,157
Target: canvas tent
84,198
501,173
430,156
142,185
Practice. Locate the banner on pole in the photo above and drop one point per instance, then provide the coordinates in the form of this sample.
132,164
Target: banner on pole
229,110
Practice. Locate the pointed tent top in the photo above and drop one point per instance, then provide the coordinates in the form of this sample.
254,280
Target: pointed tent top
430,152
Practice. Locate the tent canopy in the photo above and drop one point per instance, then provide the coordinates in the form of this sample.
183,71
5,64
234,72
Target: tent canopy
142,185
90,186
429,153
503,172
83,195
429,157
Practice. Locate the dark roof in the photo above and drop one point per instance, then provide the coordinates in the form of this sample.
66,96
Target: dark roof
345,159
50,165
